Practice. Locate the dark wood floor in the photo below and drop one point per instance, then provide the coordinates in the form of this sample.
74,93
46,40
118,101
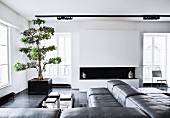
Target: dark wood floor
23,100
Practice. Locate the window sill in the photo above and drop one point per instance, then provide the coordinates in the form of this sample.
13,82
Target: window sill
4,85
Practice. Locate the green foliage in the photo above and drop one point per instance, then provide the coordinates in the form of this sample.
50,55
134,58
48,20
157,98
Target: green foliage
33,35
38,21
48,49
31,65
29,36
55,60
36,53
19,66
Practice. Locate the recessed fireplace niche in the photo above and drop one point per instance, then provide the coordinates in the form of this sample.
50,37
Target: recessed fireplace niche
87,73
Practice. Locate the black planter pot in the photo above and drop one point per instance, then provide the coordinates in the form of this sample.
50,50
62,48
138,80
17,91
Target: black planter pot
39,87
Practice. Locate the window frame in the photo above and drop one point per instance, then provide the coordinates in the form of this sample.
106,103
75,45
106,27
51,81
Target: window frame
8,58
58,74
153,49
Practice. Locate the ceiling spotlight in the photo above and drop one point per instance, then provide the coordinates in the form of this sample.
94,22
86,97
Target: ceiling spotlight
151,17
64,18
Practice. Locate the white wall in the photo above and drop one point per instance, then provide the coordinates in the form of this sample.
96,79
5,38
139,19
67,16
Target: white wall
76,27
18,79
109,48
85,84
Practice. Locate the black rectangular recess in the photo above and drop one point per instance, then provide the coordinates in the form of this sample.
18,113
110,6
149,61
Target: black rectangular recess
87,73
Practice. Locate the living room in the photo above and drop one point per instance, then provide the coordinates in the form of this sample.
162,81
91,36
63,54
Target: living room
88,35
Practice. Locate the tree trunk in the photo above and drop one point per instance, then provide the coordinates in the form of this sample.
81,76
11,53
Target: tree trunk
40,76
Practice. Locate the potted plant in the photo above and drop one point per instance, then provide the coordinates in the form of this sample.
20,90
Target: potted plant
36,54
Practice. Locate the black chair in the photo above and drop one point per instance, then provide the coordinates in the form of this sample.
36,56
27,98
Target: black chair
158,74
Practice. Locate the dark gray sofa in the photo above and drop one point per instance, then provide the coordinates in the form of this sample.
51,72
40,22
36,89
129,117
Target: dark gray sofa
127,96
108,103
155,109
118,100
103,112
29,113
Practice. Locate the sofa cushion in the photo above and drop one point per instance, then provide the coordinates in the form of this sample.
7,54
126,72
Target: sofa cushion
103,112
29,113
133,101
105,104
121,92
159,96
154,108
140,99
103,101
97,98
112,83
97,91
156,111
116,82
129,90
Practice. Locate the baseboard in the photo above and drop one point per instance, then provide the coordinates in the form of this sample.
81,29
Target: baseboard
61,85
6,98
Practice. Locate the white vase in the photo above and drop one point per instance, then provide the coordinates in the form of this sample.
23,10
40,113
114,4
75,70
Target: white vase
130,74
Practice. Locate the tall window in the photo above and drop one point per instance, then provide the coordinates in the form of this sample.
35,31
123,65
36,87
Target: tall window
4,70
63,43
154,55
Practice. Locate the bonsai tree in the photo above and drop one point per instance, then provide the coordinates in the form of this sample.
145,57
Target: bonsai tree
35,52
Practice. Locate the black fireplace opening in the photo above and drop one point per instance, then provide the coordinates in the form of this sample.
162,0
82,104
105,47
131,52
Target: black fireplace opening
107,73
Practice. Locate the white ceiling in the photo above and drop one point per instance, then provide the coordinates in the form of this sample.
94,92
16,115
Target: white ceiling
30,8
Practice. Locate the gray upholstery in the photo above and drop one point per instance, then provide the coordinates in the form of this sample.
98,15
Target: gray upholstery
155,109
106,100
112,83
97,91
103,112
127,96
103,101
128,90
105,104
133,100
117,82
99,98
121,92
29,113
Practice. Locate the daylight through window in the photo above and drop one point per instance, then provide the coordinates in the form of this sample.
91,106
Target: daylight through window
154,55
63,43
4,65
